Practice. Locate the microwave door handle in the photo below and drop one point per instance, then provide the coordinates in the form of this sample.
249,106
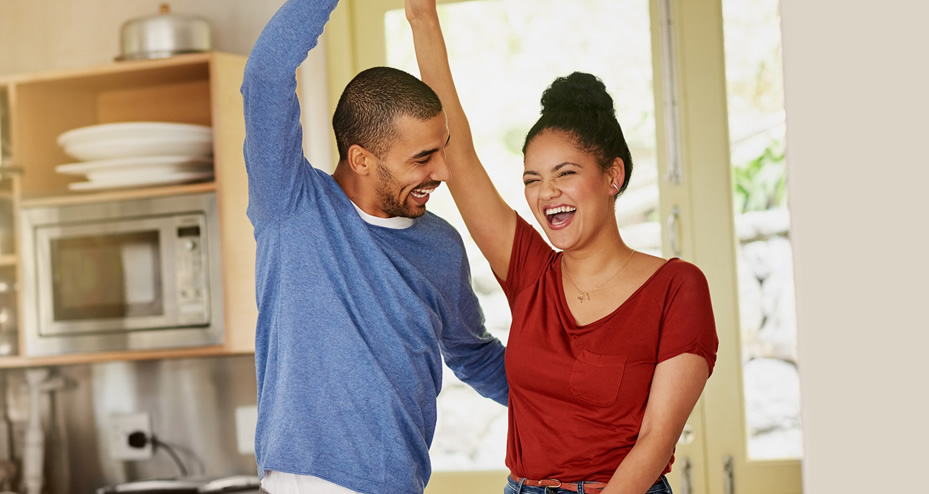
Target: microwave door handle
167,266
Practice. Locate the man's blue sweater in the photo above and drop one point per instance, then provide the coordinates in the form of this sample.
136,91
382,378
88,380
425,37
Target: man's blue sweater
353,318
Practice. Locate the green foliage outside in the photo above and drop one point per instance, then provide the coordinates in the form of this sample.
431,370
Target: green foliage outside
761,184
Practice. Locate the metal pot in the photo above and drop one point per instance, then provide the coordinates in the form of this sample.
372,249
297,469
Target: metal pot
163,35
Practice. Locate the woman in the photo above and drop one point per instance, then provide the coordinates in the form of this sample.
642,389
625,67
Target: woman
609,348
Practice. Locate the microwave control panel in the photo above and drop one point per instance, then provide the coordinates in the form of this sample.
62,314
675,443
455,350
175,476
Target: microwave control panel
193,288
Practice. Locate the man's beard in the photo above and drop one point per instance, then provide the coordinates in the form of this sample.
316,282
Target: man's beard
388,188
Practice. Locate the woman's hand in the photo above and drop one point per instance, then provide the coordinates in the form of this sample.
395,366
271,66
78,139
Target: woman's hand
420,9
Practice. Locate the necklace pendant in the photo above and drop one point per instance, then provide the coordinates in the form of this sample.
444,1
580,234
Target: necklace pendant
584,297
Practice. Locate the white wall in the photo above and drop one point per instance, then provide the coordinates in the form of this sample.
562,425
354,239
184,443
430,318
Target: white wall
39,35
856,82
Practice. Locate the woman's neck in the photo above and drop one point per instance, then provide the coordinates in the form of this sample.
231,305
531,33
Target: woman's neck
598,256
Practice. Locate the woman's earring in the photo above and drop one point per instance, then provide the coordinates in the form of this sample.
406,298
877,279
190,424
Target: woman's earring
615,187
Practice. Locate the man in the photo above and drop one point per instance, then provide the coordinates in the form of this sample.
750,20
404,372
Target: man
360,291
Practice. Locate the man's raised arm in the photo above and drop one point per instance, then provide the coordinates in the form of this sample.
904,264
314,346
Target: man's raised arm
273,135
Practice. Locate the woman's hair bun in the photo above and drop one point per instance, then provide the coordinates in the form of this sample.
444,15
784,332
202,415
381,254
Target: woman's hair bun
577,92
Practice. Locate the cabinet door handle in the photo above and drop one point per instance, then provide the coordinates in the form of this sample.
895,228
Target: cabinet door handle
687,435
671,106
728,475
685,477
673,220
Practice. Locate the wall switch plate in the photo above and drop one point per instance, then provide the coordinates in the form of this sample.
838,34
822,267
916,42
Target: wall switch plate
121,426
246,419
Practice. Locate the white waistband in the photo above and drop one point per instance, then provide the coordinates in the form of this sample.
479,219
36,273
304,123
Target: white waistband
288,483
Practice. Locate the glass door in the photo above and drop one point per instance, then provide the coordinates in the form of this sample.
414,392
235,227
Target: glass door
766,297
706,73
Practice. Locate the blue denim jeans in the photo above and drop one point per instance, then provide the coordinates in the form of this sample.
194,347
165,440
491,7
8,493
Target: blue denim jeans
513,487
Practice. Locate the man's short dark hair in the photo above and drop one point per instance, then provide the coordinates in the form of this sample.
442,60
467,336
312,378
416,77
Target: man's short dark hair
370,104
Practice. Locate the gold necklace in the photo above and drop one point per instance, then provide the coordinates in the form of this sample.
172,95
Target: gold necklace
585,296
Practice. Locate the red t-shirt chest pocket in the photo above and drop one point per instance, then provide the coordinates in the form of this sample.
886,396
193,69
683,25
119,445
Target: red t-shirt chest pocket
595,378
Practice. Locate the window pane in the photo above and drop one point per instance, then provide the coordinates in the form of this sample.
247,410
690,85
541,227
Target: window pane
504,54
765,268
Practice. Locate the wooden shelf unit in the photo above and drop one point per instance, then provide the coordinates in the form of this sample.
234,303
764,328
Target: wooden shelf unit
46,105
198,89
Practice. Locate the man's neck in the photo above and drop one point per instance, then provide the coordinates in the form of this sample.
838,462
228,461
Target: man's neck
353,188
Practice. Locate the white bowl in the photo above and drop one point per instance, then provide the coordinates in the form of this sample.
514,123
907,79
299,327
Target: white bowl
137,147
131,130
152,171
140,164
143,180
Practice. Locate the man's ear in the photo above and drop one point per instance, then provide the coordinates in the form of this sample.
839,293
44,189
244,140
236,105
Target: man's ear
360,160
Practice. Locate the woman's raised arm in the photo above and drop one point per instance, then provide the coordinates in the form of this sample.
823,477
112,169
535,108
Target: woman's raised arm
491,222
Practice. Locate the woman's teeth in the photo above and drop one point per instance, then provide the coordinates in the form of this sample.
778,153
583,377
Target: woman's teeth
560,209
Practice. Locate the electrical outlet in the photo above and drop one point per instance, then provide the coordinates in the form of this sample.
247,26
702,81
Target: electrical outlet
246,418
121,426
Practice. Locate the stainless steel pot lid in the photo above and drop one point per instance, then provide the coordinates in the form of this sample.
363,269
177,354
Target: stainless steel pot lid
163,35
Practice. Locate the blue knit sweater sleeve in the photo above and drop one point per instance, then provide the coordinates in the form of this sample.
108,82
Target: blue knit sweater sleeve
278,173
473,354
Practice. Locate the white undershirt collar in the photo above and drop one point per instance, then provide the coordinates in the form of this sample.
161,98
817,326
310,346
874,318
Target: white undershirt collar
395,222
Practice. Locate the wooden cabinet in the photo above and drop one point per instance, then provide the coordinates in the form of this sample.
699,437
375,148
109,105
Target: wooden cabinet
199,89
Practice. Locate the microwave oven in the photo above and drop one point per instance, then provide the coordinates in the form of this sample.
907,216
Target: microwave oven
138,274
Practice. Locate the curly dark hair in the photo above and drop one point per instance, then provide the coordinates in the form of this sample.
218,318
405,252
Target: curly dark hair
579,106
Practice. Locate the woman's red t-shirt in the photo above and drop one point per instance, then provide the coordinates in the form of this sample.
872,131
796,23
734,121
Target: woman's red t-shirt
578,393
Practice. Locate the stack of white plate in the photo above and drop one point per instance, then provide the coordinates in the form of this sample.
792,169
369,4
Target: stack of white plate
137,154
